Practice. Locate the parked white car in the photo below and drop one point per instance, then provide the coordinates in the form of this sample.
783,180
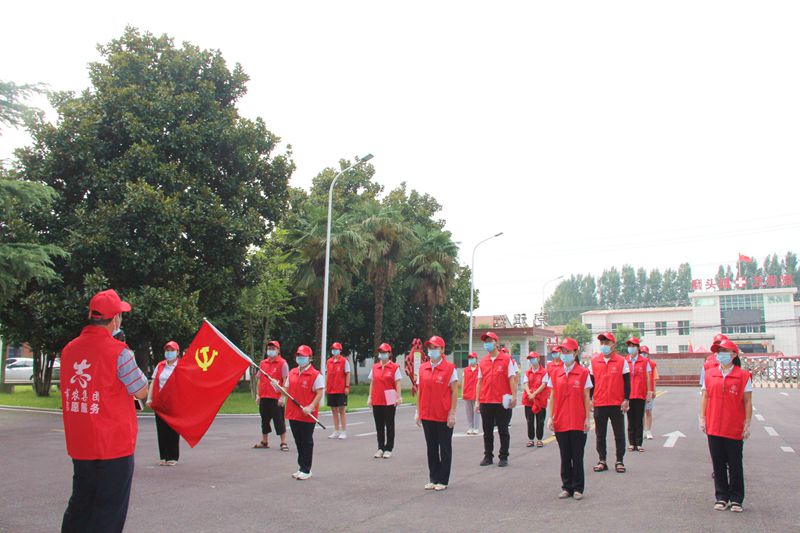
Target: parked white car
20,370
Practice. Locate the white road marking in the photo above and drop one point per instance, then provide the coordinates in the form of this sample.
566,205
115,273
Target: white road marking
760,418
788,449
785,393
367,434
771,431
672,438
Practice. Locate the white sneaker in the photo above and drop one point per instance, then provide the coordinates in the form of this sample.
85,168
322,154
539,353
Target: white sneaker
302,475
378,454
296,474
648,435
470,432
172,463
439,487
386,455
342,435
334,435
430,486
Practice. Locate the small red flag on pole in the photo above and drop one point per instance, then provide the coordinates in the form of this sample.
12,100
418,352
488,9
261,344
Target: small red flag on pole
745,259
201,382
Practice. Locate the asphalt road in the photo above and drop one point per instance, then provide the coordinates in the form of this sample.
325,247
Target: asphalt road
225,485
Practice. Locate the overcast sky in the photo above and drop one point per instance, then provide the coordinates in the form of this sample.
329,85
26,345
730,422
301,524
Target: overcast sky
592,133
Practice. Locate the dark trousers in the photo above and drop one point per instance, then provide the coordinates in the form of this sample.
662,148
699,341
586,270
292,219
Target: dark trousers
636,422
535,423
494,414
269,410
384,425
571,445
439,439
168,441
726,456
303,433
601,417
101,491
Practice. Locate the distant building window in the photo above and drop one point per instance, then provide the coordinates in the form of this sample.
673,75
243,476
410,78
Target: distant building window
661,329
615,326
779,299
705,302
683,327
683,348
639,326
15,351
662,349
742,313
589,327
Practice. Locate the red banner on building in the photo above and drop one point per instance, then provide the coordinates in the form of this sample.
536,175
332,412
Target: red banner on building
200,383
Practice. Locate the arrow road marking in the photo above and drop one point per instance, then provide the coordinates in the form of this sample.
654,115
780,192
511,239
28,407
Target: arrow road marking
672,438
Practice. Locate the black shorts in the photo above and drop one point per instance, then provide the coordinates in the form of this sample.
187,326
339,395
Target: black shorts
337,400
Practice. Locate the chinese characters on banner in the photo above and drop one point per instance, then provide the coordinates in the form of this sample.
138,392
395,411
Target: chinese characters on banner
754,282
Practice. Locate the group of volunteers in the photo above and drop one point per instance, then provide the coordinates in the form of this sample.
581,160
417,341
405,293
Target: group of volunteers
99,375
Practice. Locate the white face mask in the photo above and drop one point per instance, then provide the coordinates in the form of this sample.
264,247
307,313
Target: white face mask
272,353
383,356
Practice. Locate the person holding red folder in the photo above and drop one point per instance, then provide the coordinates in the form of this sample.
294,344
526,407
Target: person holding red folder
384,397
534,400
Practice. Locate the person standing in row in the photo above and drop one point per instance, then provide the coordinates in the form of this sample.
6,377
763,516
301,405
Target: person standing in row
304,384
641,393
726,408
569,408
436,411
711,360
98,377
648,406
612,389
337,387
168,438
535,402
384,397
496,392
469,385
270,402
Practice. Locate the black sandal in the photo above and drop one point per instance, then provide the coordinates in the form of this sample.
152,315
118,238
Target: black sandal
530,444
620,468
261,444
284,447
601,466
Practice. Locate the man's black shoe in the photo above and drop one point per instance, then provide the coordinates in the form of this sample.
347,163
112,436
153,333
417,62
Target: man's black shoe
502,462
486,461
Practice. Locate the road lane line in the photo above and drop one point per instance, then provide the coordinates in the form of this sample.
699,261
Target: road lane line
760,418
787,449
785,393
771,431
367,434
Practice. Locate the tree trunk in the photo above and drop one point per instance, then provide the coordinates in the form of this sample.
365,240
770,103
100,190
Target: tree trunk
429,308
42,373
380,298
354,365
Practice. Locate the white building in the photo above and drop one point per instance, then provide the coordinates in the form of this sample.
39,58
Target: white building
758,320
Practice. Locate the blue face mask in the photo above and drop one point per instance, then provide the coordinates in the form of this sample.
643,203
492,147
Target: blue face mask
534,363
568,358
488,346
472,360
170,356
632,350
301,360
435,354
272,353
336,352
383,356
724,358
605,350
555,356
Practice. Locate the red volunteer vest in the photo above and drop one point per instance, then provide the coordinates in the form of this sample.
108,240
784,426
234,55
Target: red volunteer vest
569,409
435,395
711,362
156,386
274,368
99,415
383,380
494,378
725,412
638,378
301,388
335,375
470,383
534,382
552,366
652,374
609,387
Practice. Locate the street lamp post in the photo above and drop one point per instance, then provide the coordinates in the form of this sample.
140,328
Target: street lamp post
323,350
472,287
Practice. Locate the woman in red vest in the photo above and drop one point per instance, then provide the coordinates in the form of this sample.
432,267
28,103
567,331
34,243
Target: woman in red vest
569,408
535,402
468,387
641,392
726,408
304,384
168,438
337,387
648,406
436,412
711,360
384,397
270,401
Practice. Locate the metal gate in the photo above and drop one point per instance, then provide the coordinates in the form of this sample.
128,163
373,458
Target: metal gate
773,371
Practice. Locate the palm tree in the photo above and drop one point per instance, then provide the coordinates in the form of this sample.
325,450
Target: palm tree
387,239
432,269
307,238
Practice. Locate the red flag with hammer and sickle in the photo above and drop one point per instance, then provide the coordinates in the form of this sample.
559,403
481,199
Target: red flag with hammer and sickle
201,382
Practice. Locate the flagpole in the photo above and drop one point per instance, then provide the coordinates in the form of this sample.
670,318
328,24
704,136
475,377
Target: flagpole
247,358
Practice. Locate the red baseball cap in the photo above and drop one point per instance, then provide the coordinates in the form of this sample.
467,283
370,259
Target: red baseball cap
336,346
632,340
384,347
275,344
303,350
435,341
719,337
490,335
172,345
644,349
726,344
533,355
107,304
473,354
568,344
607,336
